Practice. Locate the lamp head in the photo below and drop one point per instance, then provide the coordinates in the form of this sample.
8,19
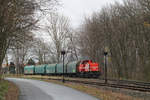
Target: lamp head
63,52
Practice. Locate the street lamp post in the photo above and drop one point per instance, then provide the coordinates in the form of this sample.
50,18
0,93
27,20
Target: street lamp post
105,65
63,53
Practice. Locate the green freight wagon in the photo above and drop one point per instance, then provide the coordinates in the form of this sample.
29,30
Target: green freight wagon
40,69
72,67
51,69
59,68
29,70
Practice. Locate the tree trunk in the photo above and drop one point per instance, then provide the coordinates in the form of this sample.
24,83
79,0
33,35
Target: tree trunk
3,49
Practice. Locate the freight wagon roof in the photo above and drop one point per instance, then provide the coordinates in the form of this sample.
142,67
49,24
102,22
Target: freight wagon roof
51,65
73,63
31,66
40,65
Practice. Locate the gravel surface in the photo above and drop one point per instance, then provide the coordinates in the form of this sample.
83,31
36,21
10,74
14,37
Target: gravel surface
39,90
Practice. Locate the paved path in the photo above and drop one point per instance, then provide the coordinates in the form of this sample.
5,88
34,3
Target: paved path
39,90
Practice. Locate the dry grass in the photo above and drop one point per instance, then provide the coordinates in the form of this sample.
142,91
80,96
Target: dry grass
3,89
8,90
13,92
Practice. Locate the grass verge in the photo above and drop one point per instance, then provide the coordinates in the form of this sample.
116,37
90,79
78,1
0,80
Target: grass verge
3,89
8,91
13,92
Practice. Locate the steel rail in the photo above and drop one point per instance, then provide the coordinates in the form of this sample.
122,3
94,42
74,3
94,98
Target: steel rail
132,86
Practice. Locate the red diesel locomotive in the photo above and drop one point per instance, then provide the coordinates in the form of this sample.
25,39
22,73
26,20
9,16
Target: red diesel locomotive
88,68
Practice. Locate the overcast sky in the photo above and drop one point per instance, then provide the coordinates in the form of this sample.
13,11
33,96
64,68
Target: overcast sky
76,10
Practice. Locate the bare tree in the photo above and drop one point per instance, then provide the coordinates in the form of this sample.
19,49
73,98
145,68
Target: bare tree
39,50
58,30
120,28
17,17
72,45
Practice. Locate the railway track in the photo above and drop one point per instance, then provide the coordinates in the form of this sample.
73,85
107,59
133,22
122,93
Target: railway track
124,84
131,82
131,85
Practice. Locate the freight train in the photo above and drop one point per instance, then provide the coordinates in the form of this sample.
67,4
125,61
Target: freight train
84,68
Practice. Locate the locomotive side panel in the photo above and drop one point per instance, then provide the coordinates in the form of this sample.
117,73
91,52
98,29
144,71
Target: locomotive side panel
88,68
